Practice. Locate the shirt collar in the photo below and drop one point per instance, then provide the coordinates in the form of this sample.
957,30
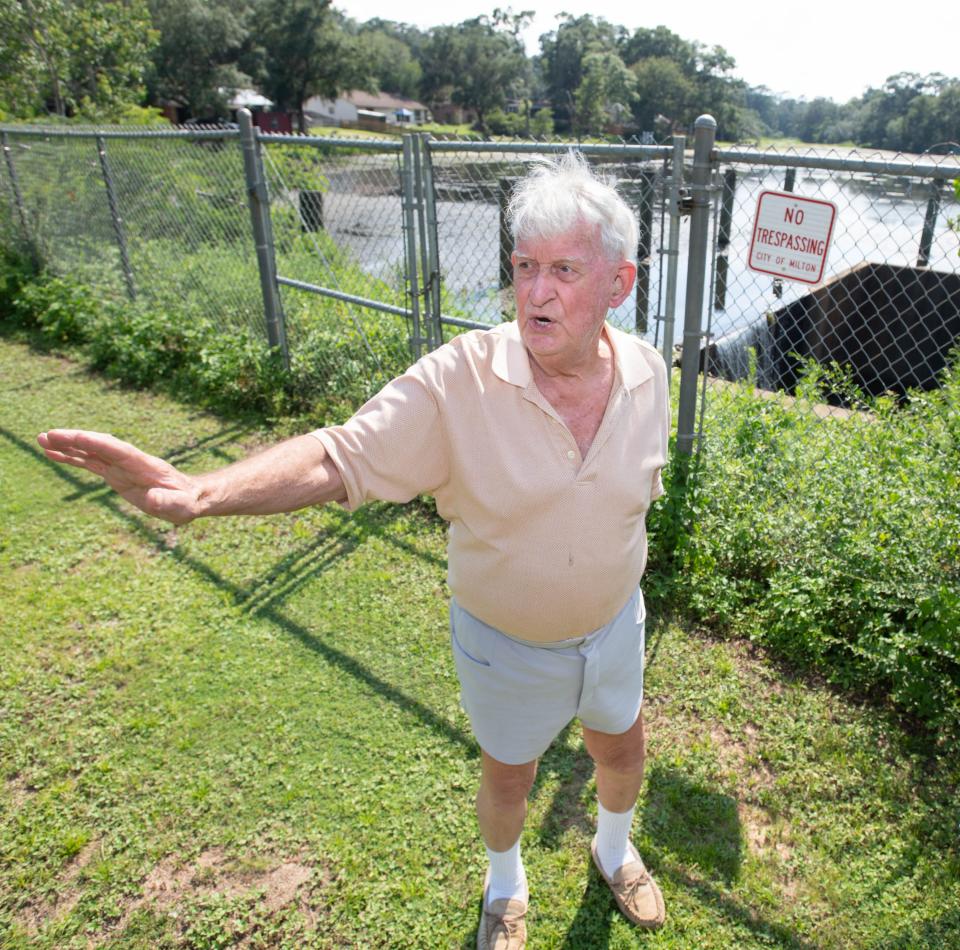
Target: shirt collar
510,360
512,365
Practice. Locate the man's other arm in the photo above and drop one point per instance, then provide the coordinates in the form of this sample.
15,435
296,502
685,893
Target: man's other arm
287,476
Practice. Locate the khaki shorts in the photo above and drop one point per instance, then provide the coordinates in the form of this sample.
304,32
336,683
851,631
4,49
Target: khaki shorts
519,696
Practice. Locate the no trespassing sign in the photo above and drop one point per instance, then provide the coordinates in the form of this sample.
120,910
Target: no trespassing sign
791,236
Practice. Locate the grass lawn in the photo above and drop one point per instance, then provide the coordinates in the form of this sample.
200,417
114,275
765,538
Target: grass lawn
246,733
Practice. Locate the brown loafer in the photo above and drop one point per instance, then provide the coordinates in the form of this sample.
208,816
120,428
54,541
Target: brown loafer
637,894
501,925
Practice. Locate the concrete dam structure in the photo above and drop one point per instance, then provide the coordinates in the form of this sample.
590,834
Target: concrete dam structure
891,327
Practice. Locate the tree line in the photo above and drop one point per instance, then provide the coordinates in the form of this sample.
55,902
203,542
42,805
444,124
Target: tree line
103,59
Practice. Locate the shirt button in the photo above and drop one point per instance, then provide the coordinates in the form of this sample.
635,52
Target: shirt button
571,454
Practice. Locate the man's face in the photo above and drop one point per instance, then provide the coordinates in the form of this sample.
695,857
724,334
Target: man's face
564,287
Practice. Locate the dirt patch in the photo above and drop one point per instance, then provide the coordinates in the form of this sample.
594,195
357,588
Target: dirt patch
740,755
276,884
36,915
215,873
769,840
19,792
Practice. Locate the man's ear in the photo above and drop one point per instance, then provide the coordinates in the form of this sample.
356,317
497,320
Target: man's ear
623,282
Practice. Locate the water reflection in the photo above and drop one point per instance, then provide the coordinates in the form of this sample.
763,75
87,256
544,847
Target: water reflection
880,219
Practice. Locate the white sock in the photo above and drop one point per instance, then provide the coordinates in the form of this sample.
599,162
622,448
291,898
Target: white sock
507,876
613,838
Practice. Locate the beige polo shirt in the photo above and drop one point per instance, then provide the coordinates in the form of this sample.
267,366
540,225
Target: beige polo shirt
544,545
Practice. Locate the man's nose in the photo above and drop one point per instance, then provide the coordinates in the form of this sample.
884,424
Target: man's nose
541,288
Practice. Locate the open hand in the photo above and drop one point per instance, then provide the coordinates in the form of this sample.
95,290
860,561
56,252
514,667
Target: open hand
146,481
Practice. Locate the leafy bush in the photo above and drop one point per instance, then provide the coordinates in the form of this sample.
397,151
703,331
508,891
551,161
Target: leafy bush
834,541
505,123
339,359
18,267
62,309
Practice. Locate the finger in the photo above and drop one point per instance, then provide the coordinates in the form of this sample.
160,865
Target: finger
78,461
101,444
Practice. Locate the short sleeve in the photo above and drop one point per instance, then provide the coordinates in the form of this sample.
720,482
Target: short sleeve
393,448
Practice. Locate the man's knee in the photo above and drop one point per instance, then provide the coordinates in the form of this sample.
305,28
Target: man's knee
504,784
624,753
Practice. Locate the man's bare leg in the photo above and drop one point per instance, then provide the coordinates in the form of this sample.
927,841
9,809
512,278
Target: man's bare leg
619,760
501,810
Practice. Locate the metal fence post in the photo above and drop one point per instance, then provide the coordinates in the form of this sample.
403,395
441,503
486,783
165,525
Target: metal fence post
723,238
705,130
259,202
929,224
116,219
644,246
435,328
504,190
15,187
410,244
673,249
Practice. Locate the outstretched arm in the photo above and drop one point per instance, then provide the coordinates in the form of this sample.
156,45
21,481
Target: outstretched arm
287,476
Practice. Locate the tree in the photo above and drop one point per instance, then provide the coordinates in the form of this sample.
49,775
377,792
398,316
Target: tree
662,89
699,80
307,52
541,125
606,90
718,92
882,106
562,59
477,63
74,56
27,74
201,42
819,116
391,63
910,112
661,43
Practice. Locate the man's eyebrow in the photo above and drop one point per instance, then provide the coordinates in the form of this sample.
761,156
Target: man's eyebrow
582,261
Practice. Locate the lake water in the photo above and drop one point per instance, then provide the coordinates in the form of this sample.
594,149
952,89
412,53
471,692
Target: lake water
879,219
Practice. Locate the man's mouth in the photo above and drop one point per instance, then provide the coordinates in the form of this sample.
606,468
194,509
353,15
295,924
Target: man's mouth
542,321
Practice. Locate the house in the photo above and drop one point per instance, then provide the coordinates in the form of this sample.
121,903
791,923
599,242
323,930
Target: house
365,110
264,117
448,113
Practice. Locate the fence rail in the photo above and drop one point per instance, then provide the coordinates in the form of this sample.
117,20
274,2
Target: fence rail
291,236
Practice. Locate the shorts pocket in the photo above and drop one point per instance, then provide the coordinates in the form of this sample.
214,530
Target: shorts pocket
469,638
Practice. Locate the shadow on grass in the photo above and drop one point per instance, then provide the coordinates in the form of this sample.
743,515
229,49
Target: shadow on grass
265,609
696,824
691,826
176,456
574,770
698,846
294,571
376,520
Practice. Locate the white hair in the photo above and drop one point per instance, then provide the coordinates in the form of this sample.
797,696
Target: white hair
560,195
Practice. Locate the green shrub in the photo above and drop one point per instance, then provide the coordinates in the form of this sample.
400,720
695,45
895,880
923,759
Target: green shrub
19,265
834,541
59,307
339,358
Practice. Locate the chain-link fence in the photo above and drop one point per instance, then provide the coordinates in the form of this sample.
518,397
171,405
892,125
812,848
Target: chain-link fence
886,309
357,254
161,216
472,185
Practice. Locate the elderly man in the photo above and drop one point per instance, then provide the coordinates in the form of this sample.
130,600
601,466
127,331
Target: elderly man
542,441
